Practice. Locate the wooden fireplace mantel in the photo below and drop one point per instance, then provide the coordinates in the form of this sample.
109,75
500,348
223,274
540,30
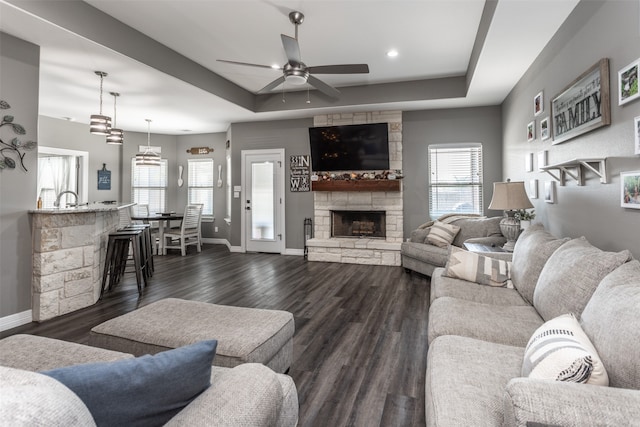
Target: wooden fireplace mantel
356,185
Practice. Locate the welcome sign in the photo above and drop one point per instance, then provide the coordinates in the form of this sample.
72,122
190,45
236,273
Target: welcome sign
584,105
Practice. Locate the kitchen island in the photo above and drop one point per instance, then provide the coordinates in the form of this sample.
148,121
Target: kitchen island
69,249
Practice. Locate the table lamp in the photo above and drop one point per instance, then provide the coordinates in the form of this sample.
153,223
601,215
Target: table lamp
509,197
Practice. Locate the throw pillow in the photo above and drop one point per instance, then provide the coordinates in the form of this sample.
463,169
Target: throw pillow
419,235
571,275
32,399
145,391
560,350
533,248
477,268
442,234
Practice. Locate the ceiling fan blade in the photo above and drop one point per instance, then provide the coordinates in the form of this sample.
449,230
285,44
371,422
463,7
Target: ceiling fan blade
247,64
323,87
340,69
291,48
274,84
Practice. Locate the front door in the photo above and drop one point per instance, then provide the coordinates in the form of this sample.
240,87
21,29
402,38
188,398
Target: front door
263,204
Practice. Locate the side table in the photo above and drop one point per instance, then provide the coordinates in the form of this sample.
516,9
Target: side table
479,247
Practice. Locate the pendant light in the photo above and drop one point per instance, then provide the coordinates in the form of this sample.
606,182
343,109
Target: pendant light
149,157
100,125
116,136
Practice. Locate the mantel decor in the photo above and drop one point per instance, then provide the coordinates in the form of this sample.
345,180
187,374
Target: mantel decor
15,146
584,105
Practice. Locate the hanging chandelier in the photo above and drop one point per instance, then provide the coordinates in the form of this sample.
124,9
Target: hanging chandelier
149,157
116,136
99,124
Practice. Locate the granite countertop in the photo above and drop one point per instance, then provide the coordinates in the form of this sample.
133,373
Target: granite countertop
87,208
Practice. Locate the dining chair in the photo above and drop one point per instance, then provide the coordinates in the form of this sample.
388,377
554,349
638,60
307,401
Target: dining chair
189,232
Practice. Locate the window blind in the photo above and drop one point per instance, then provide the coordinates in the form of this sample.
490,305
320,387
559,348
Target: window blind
455,178
149,185
200,184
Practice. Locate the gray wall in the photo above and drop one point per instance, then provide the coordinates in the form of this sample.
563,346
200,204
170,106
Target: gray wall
421,128
75,136
19,73
595,30
217,141
293,136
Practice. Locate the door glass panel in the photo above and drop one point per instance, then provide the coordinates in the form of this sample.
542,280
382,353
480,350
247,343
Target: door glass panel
262,209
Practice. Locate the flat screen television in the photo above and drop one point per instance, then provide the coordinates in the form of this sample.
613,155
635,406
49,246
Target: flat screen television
350,147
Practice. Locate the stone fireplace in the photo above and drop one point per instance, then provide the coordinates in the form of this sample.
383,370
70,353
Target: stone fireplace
363,248
358,224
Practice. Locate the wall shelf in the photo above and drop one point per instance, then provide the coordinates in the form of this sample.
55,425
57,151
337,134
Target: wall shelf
356,185
575,169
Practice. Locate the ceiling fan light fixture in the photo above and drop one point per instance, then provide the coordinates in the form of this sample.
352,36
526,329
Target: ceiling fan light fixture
296,80
100,124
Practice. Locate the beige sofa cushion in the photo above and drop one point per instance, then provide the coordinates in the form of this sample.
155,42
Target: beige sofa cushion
571,275
610,319
532,250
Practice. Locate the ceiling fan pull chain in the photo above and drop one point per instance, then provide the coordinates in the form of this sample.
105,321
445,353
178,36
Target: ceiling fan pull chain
283,100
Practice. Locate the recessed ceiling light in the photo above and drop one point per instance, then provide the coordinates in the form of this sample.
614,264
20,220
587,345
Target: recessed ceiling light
392,53
275,66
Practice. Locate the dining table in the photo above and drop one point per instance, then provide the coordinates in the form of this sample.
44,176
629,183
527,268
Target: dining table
162,219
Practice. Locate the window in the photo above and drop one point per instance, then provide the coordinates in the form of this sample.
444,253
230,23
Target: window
455,178
149,185
200,183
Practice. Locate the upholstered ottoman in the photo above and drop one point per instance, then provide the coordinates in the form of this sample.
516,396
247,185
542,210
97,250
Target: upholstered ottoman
245,335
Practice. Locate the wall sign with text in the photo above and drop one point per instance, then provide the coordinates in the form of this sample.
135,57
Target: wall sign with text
300,170
584,105
104,178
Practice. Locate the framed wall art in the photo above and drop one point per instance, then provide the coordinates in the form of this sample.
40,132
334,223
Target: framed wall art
531,131
544,129
628,83
584,105
533,189
542,159
550,191
636,131
528,162
538,104
630,189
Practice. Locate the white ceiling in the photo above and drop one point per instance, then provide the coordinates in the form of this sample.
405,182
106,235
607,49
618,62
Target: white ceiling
435,39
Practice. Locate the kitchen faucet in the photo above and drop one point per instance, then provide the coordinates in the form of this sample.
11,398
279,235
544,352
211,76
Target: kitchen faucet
57,202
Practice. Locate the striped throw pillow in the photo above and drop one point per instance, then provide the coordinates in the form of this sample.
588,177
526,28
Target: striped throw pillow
442,234
477,268
560,350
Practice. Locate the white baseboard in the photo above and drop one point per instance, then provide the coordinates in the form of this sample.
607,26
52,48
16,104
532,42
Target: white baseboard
235,249
15,320
298,252
215,241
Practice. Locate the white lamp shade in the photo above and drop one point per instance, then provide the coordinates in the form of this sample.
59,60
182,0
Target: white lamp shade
509,196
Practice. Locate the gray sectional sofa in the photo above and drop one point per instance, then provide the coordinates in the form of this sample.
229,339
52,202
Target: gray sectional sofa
421,256
478,339
249,394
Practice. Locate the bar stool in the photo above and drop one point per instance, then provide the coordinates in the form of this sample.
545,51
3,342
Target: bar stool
117,255
147,246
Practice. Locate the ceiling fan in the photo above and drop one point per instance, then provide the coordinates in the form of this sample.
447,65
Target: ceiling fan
297,72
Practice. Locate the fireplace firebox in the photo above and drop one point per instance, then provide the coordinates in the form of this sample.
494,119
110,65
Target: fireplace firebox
358,224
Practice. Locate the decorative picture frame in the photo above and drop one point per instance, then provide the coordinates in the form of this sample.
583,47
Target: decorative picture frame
533,189
538,104
545,132
531,131
628,83
584,105
542,159
630,189
528,162
636,131
550,192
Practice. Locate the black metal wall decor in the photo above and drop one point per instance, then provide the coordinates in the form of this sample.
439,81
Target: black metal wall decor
104,178
15,147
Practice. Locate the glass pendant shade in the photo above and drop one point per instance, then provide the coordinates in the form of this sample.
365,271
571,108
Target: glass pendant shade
99,123
116,136
149,157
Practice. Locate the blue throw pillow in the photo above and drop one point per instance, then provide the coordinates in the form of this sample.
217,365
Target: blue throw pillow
145,391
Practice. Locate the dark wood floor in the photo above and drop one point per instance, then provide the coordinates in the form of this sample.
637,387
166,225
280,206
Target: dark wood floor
361,331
